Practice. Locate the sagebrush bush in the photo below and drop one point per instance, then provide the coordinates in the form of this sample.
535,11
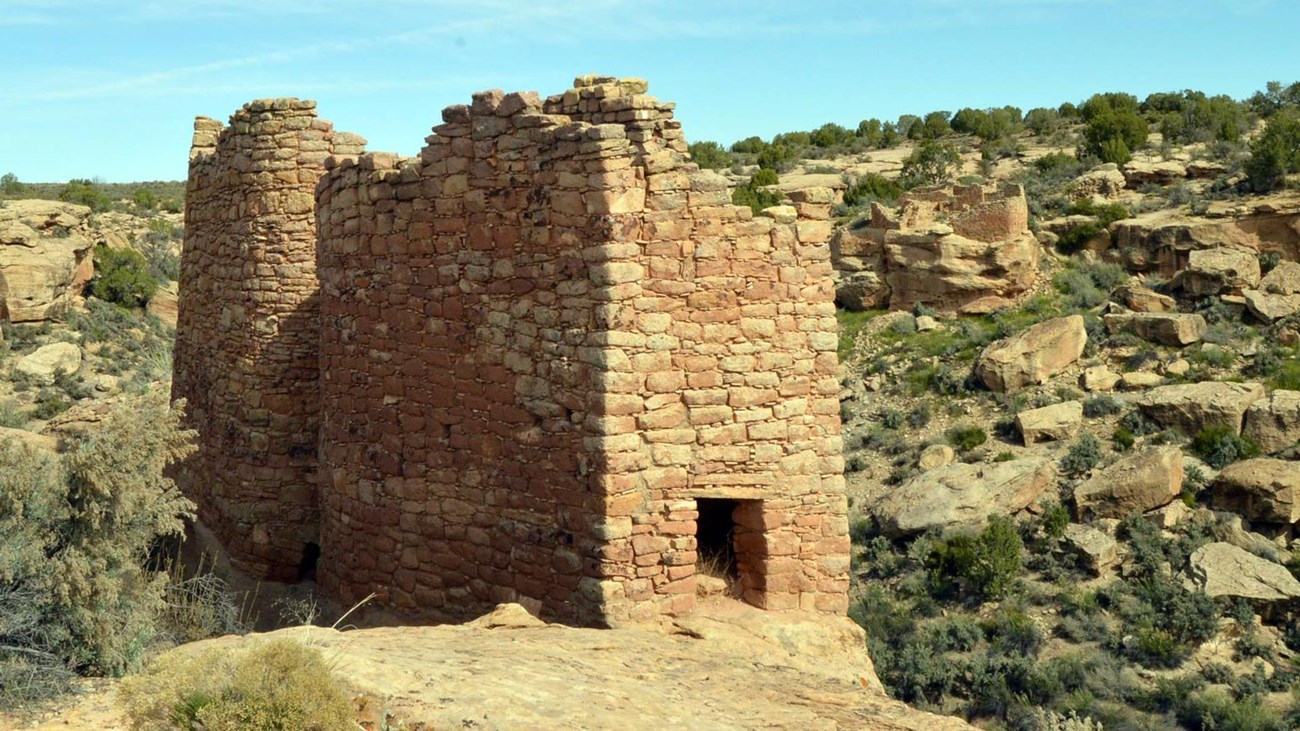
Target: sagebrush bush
1220,446
277,685
75,534
1082,456
988,562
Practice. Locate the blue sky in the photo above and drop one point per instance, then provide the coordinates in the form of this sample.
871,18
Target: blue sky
110,88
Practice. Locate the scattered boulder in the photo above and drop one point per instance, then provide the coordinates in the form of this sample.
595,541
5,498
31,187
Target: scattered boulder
964,495
1097,552
1282,279
1140,380
1260,489
1222,268
1098,378
1273,423
1269,307
1103,181
45,258
935,456
1144,480
1032,356
1190,407
1164,172
925,324
1141,299
1057,422
45,361
1174,329
1204,169
39,442
1179,367
1222,569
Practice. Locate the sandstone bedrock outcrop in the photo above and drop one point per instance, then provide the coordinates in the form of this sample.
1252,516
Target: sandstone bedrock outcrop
517,367
956,249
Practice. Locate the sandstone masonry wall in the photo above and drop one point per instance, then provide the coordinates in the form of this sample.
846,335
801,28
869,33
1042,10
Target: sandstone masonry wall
248,329
546,339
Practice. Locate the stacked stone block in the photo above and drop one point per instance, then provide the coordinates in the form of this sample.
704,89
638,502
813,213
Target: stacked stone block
249,330
542,341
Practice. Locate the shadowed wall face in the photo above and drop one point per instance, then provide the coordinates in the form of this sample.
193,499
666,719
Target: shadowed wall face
249,329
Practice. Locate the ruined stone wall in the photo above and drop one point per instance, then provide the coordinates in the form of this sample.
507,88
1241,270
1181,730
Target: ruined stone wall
543,341
248,329
972,211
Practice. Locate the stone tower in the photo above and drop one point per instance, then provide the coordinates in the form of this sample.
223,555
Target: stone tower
555,365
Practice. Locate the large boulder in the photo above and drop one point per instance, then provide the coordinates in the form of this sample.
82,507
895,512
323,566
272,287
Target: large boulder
1222,569
1144,480
1057,422
1269,307
963,495
1263,489
1032,356
43,363
1142,299
1103,181
1222,268
1273,423
1190,407
45,258
1098,552
1175,329
1162,172
953,273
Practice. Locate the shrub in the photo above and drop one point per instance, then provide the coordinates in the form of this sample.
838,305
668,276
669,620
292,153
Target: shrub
1114,126
764,177
1122,439
1102,405
1220,446
277,684
74,534
710,155
1012,631
872,187
757,198
965,437
1275,152
122,277
86,193
989,562
931,163
1075,238
1082,456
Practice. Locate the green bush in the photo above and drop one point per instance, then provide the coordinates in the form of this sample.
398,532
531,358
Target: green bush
1220,446
764,177
86,193
74,534
122,277
1113,127
1082,456
277,685
1275,153
1102,405
710,155
1075,238
965,437
988,562
872,187
931,163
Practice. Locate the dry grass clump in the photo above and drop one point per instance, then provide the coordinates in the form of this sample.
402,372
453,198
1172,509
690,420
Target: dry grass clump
277,685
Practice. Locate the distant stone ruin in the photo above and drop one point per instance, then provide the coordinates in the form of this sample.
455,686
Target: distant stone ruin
545,361
958,249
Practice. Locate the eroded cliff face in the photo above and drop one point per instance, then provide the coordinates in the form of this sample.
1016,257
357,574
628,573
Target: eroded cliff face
1162,241
45,258
958,249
